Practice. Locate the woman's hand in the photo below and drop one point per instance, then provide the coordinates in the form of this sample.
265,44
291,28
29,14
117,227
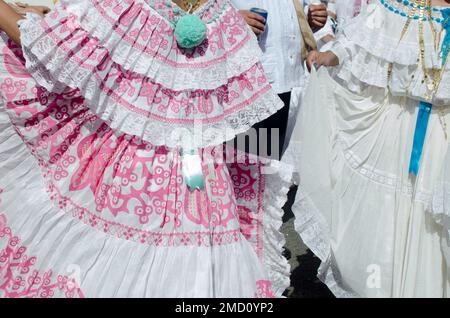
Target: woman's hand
318,59
22,9
8,21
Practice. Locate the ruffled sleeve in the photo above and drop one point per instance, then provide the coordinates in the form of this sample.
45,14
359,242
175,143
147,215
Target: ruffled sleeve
374,42
123,58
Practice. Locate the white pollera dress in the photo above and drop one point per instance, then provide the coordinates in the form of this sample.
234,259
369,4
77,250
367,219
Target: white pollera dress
358,207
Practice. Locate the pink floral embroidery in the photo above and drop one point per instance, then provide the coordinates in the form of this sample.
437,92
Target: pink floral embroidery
122,185
246,221
20,278
264,289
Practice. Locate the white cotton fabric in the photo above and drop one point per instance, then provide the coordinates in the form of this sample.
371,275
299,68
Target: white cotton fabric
357,207
371,42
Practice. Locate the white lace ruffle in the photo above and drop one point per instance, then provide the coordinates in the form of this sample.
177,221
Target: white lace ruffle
141,40
278,182
197,134
379,32
371,42
353,166
177,100
314,231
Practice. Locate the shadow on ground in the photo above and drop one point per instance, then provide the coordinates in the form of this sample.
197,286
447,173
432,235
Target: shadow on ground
304,264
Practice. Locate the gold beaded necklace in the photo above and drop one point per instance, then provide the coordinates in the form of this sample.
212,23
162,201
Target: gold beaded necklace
189,5
431,77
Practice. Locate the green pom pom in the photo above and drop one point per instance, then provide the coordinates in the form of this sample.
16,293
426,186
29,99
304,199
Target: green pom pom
190,31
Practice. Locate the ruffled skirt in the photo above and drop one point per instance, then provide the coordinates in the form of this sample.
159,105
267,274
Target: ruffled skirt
87,211
357,207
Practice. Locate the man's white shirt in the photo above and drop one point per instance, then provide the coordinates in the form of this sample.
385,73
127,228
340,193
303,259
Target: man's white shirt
280,43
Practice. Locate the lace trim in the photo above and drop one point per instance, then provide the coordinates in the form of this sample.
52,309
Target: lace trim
162,130
143,43
440,208
123,99
371,42
196,133
313,229
278,182
379,177
378,31
366,70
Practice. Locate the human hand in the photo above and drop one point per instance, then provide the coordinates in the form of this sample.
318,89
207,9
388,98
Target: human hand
255,21
317,16
23,8
317,59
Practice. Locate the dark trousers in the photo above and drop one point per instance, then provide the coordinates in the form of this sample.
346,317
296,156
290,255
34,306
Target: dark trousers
279,121
274,127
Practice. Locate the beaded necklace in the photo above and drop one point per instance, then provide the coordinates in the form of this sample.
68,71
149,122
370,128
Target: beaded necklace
400,6
194,7
431,77
422,11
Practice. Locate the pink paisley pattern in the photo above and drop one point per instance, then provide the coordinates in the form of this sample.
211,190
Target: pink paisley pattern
127,187
21,278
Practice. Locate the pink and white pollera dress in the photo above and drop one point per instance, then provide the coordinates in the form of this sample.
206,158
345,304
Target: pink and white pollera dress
93,198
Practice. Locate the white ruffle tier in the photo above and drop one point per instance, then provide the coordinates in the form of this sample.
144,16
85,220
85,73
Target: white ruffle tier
369,43
124,59
99,213
357,207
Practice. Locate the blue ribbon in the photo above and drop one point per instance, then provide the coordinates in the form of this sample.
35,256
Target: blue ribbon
445,48
424,107
419,137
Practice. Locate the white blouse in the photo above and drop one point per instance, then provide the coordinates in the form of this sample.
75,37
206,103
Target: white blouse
280,43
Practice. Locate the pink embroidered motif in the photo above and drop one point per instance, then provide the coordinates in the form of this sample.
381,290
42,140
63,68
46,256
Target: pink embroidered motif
246,218
248,181
264,289
20,278
119,86
151,33
122,185
216,212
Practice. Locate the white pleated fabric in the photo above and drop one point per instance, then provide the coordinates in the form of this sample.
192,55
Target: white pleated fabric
357,207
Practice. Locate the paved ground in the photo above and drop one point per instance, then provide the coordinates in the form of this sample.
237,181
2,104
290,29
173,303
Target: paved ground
304,283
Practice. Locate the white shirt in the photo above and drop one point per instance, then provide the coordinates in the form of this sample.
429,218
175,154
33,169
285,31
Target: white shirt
280,43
